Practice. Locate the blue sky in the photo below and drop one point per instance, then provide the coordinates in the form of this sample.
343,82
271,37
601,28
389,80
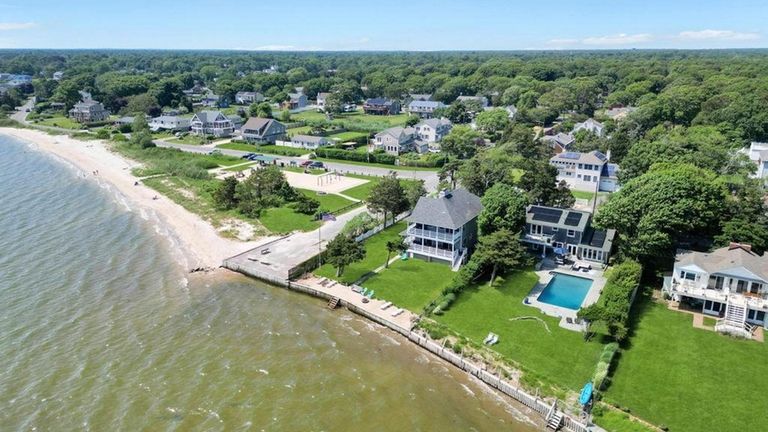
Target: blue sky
383,25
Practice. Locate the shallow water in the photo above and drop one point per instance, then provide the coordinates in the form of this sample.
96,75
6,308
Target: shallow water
101,330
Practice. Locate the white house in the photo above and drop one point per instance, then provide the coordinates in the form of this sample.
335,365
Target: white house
211,123
58,75
444,228
309,141
262,130
619,113
248,98
171,123
590,125
433,130
397,140
296,101
758,154
424,109
88,111
730,282
589,172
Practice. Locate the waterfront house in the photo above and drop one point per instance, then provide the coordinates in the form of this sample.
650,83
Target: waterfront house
590,125
211,123
433,130
730,282
424,109
444,227
248,98
567,231
262,130
588,172
397,140
381,106
321,97
309,141
559,142
758,154
296,101
125,121
88,111
172,123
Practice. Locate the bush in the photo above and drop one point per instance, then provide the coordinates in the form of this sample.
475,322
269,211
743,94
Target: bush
429,160
333,153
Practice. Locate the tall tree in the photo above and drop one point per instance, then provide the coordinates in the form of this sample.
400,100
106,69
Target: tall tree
388,197
394,247
502,251
342,251
503,208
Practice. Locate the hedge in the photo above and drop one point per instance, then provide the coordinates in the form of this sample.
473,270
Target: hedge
332,153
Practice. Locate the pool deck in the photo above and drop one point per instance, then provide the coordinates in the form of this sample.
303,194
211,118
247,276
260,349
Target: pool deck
565,314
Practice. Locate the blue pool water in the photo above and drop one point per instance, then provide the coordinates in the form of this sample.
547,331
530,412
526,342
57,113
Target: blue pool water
566,291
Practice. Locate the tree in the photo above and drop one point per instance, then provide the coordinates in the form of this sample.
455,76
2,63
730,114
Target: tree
502,251
394,247
342,251
412,120
225,194
503,209
388,197
461,142
493,121
670,202
264,188
305,204
263,110
285,115
449,170
413,191
541,185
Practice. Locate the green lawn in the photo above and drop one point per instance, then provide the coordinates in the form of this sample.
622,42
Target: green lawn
357,117
582,194
189,139
61,122
619,422
301,170
282,220
348,136
301,130
411,284
690,379
328,202
375,255
562,356
378,165
361,192
269,149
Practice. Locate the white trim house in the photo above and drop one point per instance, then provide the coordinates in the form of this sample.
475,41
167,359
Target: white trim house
212,123
730,283
588,172
262,130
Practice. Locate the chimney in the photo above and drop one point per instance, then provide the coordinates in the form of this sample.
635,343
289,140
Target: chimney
445,193
743,246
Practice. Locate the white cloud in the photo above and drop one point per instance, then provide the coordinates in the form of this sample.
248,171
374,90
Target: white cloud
618,39
16,25
727,35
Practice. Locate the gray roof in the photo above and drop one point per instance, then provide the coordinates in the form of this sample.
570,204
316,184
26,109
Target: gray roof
208,116
416,104
309,139
434,123
451,210
563,139
421,96
736,259
593,157
397,131
557,217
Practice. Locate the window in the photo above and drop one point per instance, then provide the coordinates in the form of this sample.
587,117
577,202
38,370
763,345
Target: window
571,233
587,178
755,287
536,229
754,315
687,276
555,229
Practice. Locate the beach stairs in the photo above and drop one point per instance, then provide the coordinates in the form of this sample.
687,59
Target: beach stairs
735,321
333,303
555,421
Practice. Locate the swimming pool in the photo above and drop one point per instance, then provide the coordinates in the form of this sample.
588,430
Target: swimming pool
566,291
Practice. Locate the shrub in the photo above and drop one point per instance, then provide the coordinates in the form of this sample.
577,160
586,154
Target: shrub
332,153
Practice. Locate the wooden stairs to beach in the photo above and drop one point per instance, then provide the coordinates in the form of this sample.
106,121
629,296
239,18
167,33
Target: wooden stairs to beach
333,303
555,420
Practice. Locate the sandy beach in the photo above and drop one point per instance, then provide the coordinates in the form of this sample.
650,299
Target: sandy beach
199,242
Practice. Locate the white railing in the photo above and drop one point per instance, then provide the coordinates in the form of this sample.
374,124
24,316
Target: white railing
434,234
433,251
692,288
538,237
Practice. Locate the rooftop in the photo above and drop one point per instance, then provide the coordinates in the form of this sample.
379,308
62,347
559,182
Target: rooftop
735,259
452,209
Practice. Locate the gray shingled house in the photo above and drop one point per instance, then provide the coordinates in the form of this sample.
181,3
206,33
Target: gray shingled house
444,227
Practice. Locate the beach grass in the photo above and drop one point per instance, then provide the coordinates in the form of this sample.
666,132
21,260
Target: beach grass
410,284
547,353
375,255
689,379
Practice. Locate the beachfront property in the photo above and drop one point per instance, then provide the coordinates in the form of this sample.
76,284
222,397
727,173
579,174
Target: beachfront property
559,142
730,283
566,232
590,125
211,123
444,227
248,98
88,111
381,106
588,172
309,141
262,130
424,109
170,123
397,140
758,154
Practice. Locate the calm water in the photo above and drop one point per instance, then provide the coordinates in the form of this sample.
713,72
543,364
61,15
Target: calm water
566,291
101,330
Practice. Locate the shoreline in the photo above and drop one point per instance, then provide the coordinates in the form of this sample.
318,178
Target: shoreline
196,240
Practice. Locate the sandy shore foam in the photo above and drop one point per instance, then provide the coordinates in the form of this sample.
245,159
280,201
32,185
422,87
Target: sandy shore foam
199,243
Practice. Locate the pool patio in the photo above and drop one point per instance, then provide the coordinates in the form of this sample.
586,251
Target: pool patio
568,318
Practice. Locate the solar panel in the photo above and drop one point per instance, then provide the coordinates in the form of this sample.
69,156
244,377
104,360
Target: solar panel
573,219
598,238
546,214
570,155
600,156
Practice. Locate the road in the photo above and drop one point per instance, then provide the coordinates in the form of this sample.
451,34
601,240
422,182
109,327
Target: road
21,112
430,177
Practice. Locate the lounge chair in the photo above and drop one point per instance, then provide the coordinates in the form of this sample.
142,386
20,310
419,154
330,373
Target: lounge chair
494,340
488,338
386,305
397,312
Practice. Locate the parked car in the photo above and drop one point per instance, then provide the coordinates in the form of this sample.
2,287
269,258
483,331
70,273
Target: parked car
247,156
306,163
316,165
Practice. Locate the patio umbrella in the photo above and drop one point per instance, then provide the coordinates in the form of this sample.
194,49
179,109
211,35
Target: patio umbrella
559,251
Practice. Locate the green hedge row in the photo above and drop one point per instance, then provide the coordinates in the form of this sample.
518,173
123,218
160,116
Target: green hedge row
332,153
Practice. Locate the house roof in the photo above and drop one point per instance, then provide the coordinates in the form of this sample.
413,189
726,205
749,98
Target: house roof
166,118
421,96
397,131
735,259
378,101
417,104
593,157
259,124
588,124
323,95
295,96
452,209
309,139
562,139
434,123
208,116
569,219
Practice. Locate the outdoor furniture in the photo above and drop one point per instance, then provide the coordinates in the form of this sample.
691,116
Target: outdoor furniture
386,305
357,289
397,312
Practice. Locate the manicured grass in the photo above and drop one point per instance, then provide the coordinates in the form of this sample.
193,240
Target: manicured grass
619,422
375,255
269,149
348,136
411,284
301,130
301,170
582,194
61,122
561,356
377,165
282,220
361,192
357,117
189,139
690,379
328,202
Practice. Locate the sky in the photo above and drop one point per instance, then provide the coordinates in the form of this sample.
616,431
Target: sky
412,25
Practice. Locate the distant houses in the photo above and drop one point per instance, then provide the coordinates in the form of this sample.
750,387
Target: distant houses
620,113
262,130
212,123
88,111
590,125
58,75
758,154
399,139
248,98
309,141
433,130
424,109
588,172
566,231
321,97
559,142
481,100
169,123
444,228
296,101
381,106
